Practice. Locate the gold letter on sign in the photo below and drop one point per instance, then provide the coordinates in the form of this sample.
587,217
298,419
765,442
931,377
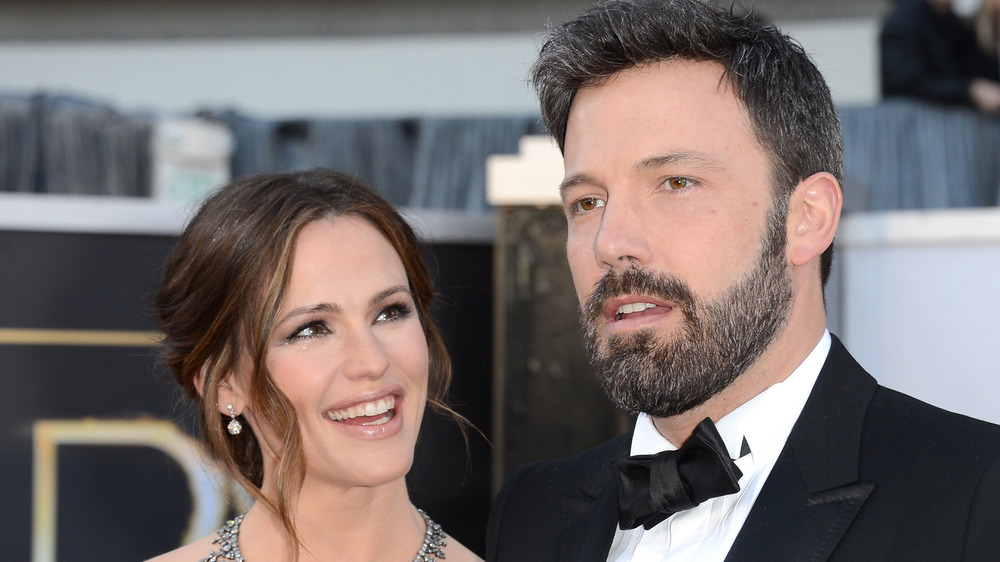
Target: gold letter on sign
208,485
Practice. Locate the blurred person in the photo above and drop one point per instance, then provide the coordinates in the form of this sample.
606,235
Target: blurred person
988,27
703,163
295,313
930,53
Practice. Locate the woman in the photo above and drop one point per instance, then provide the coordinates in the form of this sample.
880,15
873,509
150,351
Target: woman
295,312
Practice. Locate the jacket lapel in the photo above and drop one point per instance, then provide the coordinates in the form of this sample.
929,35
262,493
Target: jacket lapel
591,513
813,494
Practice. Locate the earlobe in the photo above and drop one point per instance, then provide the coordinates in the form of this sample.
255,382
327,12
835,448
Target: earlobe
813,217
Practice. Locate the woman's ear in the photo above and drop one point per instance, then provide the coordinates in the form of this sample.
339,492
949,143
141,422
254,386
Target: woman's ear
199,379
813,216
228,393
231,394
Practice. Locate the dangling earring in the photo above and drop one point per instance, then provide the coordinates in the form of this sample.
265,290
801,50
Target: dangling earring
234,427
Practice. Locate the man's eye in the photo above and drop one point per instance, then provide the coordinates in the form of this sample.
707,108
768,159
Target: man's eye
678,183
588,204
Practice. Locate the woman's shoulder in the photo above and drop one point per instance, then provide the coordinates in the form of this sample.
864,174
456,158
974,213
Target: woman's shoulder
457,552
192,552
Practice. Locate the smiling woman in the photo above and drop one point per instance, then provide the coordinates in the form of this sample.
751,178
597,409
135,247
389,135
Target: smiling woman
295,313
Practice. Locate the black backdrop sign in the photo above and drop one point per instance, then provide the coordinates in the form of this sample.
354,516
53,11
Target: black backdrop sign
99,462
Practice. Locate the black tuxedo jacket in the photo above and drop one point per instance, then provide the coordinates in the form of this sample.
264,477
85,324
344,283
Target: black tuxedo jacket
867,473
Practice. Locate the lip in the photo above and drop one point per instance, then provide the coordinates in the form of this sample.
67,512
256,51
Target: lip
661,311
371,432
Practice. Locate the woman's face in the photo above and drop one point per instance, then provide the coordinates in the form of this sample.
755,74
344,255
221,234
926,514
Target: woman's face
349,352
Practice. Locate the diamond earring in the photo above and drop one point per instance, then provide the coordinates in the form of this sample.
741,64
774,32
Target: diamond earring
234,427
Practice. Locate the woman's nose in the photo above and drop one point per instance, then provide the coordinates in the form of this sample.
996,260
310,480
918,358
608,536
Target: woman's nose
366,357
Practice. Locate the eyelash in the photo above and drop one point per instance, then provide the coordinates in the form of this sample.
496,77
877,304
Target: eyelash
297,334
399,311
402,310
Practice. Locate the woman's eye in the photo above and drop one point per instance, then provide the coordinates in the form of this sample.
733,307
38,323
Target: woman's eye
394,312
310,330
587,204
678,183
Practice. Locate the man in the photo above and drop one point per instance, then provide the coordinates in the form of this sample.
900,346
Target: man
702,194
929,53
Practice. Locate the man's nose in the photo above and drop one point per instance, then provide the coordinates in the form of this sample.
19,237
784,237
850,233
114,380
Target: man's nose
621,238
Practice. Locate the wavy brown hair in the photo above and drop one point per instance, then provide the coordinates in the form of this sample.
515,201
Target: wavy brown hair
221,292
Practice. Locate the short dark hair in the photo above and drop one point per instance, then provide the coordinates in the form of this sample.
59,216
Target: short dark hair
791,112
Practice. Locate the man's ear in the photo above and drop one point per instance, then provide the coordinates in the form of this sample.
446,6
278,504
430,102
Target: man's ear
813,216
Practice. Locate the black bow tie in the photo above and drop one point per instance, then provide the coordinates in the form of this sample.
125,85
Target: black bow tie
654,487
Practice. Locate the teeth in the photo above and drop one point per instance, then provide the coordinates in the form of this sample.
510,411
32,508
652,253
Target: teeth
380,421
380,406
635,307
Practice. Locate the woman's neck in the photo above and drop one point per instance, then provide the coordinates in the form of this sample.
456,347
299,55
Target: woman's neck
337,523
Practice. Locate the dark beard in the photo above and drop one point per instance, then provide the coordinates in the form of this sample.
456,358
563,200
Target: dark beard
719,341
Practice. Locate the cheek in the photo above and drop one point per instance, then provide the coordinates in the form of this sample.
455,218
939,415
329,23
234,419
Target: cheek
582,264
296,374
410,354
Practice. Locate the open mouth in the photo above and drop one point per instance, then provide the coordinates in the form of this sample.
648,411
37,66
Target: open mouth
632,310
376,412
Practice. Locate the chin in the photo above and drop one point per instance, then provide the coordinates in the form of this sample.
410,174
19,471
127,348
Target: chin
377,471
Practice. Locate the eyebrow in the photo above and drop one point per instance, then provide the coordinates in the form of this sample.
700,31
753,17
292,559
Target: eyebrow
690,158
381,296
311,309
575,180
328,308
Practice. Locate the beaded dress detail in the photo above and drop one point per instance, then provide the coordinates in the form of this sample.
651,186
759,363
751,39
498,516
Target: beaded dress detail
228,541
229,549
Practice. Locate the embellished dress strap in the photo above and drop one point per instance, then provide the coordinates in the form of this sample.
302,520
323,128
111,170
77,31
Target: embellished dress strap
431,550
228,541
434,541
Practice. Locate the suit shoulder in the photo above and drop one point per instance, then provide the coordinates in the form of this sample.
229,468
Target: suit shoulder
888,404
915,431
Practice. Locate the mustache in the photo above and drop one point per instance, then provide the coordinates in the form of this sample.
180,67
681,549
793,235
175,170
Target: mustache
636,280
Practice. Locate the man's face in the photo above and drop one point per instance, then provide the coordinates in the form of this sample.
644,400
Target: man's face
676,243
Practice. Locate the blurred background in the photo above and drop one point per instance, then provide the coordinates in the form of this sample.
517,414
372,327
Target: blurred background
116,116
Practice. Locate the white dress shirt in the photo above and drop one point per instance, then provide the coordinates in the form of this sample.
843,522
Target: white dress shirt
707,532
